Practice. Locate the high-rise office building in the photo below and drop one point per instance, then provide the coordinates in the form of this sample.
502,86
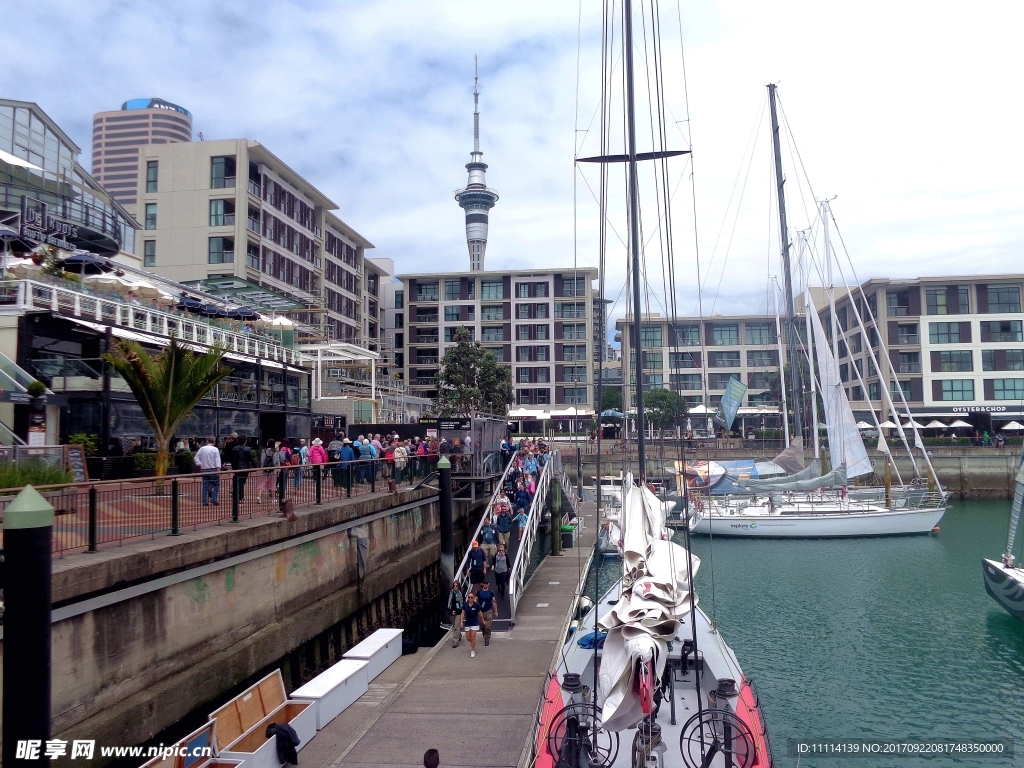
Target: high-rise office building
117,136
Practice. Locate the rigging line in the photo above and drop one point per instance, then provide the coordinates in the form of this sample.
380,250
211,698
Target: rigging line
625,244
791,144
745,159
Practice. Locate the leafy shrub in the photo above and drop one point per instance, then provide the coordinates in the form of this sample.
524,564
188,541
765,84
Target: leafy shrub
36,389
144,460
32,472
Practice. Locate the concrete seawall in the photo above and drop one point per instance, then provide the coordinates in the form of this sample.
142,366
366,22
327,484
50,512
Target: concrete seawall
968,473
145,633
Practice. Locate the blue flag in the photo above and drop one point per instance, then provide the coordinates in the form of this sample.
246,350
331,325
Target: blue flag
732,400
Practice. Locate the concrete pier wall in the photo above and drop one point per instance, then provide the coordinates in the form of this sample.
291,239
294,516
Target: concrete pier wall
145,633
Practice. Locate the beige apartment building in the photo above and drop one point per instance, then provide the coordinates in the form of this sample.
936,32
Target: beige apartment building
539,323
117,135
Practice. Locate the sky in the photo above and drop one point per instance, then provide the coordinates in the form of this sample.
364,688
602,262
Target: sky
904,113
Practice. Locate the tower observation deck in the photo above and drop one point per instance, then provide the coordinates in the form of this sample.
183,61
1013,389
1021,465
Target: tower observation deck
476,199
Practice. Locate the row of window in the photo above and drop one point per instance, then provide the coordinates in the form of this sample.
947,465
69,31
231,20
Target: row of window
542,375
494,290
949,300
963,389
654,360
570,396
718,335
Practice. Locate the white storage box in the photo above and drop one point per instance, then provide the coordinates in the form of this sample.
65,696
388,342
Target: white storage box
335,689
242,722
380,650
201,737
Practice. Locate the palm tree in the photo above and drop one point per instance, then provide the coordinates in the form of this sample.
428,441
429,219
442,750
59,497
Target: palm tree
167,386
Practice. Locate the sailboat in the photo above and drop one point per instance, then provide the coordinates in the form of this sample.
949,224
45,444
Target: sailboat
655,669
806,504
1004,581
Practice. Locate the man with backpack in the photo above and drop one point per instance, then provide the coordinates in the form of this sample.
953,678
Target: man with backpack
489,539
477,564
334,456
455,605
504,525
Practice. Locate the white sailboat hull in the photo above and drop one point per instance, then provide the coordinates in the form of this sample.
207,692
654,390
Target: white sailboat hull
814,525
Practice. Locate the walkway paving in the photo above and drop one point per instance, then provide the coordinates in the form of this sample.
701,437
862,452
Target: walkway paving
476,712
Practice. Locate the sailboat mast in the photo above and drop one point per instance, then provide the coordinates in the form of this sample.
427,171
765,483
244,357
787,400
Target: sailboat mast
634,241
791,332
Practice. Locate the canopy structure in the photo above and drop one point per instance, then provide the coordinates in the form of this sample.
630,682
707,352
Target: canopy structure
888,425
82,263
914,423
702,409
1013,426
934,424
612,414
864,425
960,424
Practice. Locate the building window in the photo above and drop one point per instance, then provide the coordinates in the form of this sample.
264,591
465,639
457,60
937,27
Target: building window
570,309
152,172
958,389
149,253
449,332
759,357
874,390
1003,298
1008,389
1001,330
451,290
222,250
499,353
955,362
991,360
492,290
760,380
682,360
492,333
907,334
399,322
222,172
653,361
492,313
897,303
427,292
577,374
938,300
574,353
363,412
687,336
725,335
841,318
150,215
471,288
760,334
688,381
895,387
451,314
650,336
575,395
944,333
577,331
399,299
719,380
574,286
910,362
222,213
426,314
724,359
531,290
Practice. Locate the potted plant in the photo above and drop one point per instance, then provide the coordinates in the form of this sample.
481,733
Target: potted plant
145,464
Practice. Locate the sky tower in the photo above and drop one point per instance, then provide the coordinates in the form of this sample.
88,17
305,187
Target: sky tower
476,198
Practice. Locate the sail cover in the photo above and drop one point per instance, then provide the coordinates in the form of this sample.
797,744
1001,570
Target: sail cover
792,458
655,597
793,483
844,441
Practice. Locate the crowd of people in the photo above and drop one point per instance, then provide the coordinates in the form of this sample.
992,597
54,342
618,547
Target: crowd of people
489,561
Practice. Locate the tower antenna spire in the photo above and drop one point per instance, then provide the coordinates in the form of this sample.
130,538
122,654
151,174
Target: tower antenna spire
476,199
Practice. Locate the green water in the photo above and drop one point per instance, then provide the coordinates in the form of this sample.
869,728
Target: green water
882,638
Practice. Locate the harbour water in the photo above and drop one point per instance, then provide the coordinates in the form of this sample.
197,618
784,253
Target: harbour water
886,638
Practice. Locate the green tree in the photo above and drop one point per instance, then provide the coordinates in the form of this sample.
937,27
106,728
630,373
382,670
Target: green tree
664,408
471,379
611,398
167,386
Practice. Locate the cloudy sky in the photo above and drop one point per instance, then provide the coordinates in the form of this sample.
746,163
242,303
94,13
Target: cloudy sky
905,112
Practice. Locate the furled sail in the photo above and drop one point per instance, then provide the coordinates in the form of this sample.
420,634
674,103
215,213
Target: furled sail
810,472
780,485
792,458
656,595
844,441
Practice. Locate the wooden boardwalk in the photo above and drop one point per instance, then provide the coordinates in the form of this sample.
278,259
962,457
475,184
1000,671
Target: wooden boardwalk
474,711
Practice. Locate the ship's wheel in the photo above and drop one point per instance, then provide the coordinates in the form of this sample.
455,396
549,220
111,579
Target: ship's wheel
714,732
576,737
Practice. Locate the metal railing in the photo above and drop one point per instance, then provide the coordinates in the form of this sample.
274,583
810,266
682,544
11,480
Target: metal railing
108,512
517,575
76,302
462,572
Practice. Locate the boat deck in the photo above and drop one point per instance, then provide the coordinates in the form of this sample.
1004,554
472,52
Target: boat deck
475,712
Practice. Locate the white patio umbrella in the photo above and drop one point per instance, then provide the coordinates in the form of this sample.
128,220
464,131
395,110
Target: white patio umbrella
1013,426
913,423
888,425
934,424
24,268
864,425
959,424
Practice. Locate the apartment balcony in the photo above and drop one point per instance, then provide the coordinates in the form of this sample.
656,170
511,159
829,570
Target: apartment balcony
427,360
431,318
254,226
428,338
575,378
255,189
908,338
910,367
424,381
574,357
575,400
